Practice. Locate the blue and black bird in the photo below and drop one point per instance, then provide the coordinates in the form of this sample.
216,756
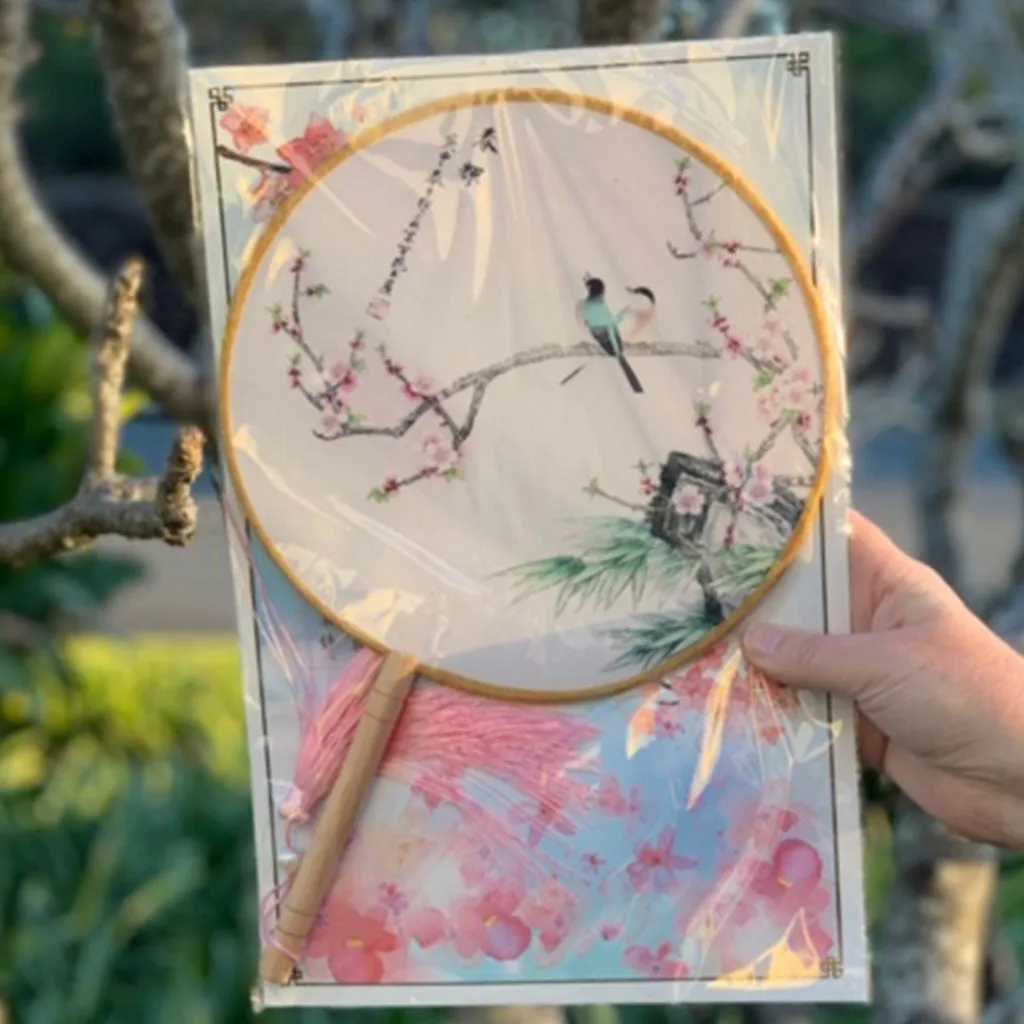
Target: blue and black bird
604,325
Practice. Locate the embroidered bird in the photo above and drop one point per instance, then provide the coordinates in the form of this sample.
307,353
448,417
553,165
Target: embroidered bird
613,331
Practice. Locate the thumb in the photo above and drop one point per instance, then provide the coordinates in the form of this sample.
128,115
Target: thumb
843,663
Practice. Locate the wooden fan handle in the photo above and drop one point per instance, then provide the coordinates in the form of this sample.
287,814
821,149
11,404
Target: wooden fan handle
338,817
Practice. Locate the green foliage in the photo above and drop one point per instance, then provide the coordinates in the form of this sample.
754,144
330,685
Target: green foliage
616,555
44,414
656,639
882,77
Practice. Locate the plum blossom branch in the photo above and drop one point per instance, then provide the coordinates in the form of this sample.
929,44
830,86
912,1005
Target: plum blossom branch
107,503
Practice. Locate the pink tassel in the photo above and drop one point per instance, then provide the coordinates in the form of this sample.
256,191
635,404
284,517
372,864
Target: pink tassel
328,736
535,750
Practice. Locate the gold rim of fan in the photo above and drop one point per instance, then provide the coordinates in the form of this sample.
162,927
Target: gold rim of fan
743,189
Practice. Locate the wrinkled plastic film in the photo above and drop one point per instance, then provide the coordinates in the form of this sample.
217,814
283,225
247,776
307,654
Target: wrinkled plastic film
531,368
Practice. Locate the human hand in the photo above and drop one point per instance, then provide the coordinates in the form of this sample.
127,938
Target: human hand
940,697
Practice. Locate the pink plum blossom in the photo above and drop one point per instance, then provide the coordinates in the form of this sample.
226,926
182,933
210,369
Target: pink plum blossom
247,126
789,883
735,472
353,942
656,963
613,802
392,898
320,141
656,864
759,489
478,865
689,500
610,930
488,924
427,927
268,193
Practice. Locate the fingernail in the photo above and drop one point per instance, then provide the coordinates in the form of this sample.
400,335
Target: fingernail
761,641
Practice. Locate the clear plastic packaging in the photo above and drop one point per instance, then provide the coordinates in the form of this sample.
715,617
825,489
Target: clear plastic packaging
531,371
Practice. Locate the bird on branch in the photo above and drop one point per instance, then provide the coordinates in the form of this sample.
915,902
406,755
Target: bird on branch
605,327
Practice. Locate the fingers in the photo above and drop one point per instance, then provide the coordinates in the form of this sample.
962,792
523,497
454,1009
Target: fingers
846,664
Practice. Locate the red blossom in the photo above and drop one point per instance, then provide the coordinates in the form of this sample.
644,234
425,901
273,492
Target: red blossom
391,485
647,485
734,346
410,392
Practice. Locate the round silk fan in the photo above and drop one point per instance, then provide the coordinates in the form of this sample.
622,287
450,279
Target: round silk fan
529,392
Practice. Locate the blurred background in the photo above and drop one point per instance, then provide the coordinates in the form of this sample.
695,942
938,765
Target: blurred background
126,871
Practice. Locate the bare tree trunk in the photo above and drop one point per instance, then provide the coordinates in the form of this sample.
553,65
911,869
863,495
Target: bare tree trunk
931,956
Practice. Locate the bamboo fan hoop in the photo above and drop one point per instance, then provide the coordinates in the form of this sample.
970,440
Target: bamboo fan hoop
687,145
395,677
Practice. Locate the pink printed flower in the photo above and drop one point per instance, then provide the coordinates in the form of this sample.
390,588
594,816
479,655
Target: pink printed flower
796,396
392,898
550,814
268,194
610,930
391,485
445,458
656,963
353,942
488,924
613,802
478,865
550,913
247,126
734,346
427,927
349,381
378,307
760,488
803,376
305,154
656,864
648,486
434,789
668,721
410,392
767,408
735,472
423,385
358,343
789,882
689,500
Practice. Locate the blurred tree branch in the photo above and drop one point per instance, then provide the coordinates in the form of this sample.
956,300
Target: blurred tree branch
106,502
142,50
32,243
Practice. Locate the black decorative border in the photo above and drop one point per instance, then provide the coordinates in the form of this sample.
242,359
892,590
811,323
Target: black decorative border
798,65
